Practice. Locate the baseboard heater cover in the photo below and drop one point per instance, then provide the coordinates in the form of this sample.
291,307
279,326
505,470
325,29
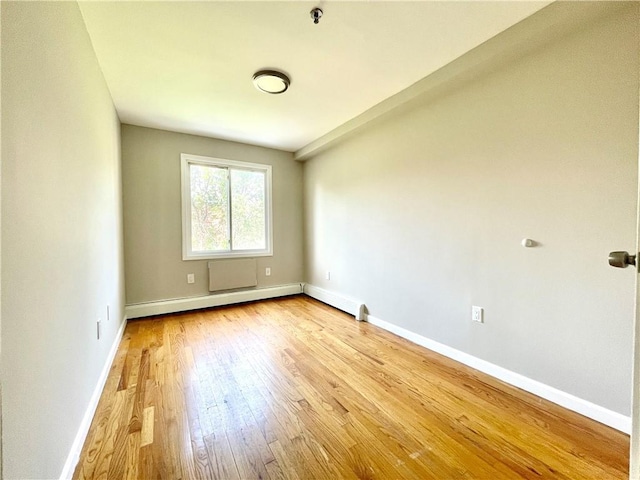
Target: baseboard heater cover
215,300
346,304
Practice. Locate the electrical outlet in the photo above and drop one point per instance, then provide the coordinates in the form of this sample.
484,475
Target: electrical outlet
191,278
328,277
98,329
477,314
267,271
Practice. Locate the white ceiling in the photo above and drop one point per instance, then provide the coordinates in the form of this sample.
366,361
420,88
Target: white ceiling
187,66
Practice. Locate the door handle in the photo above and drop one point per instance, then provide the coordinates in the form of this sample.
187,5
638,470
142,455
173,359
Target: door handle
621,259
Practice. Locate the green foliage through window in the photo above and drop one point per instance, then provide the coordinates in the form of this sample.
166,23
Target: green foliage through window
228,208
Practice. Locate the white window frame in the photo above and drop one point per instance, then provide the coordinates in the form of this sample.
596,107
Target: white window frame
187,253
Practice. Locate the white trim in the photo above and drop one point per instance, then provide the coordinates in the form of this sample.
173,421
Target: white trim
215,300
346,304
186,160
566,400
83,430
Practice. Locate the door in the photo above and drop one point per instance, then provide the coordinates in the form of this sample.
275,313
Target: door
623,260
619,259
634,467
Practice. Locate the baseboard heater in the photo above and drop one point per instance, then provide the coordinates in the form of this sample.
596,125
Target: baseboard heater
231,274
346,304
162,307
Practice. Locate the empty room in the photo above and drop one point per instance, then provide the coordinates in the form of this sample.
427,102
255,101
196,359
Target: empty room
319,240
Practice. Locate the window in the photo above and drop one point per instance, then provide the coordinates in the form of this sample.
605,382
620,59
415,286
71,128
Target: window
226,208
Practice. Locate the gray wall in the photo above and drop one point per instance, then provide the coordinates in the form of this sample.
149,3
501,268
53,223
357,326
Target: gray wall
421,215
62,258
152,213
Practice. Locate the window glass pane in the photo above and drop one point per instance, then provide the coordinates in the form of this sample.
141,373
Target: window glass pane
248,210
209,208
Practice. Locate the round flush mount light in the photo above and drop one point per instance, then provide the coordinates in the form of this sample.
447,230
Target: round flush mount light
271,81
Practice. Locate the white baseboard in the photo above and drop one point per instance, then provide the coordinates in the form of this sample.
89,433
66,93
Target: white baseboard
81,436
591,410
207,301
346,304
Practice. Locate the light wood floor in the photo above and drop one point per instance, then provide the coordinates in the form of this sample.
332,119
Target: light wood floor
294,389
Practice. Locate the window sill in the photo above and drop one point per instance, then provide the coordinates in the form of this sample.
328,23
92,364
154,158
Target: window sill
225,255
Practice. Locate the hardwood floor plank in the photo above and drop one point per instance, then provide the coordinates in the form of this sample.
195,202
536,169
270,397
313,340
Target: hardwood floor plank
146,435
132,464
146,468
102,460
117,463
294,389
181,449
221,457
135,423
99,436
289,466
275,472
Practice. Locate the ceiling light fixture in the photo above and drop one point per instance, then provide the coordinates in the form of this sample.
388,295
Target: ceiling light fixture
271,81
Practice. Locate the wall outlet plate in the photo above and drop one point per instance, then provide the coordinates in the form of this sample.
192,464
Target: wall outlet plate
191,278
267,271
477,314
